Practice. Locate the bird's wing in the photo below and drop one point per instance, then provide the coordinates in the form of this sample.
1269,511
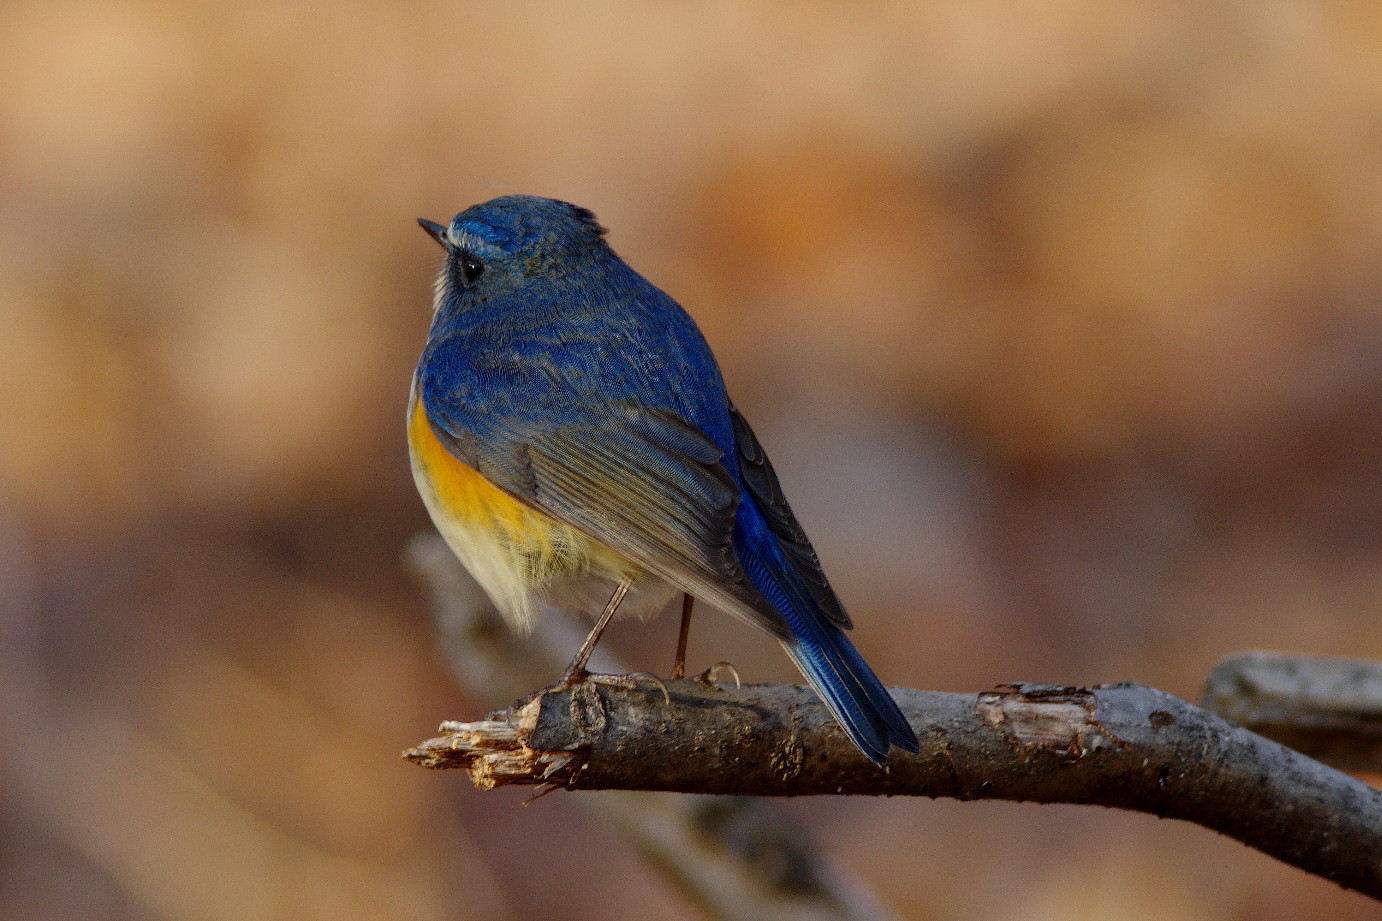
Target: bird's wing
642,481
768,498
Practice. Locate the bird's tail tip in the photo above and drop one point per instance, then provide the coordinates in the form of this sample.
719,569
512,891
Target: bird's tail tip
859,701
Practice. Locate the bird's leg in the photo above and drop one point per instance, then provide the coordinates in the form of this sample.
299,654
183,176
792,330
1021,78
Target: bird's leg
679,666
576,670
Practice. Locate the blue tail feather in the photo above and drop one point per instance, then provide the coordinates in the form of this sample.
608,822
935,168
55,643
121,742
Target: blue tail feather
820,648
863,707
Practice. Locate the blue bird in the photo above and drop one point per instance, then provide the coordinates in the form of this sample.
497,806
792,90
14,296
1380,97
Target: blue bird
572,439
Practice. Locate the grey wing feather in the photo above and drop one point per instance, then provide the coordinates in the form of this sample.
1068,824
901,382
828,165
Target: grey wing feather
652,487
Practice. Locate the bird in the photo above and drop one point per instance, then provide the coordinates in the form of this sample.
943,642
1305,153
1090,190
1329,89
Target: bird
573,441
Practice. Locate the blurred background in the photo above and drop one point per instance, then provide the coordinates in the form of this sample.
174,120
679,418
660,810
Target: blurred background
1060,321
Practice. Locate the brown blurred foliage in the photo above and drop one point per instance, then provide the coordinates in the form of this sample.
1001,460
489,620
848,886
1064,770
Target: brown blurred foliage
1060,321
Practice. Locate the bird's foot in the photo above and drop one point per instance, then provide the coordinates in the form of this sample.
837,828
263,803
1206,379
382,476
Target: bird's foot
709,675
631,681
574,676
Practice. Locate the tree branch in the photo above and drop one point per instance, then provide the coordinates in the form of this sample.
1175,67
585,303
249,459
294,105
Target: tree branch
1124,746
1330,709
737,857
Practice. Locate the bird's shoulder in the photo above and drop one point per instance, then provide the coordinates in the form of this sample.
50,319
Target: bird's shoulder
549,359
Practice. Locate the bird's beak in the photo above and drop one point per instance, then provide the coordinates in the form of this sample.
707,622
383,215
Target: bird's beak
434,230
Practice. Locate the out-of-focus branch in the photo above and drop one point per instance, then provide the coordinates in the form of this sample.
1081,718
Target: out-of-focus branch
1330,709
736,856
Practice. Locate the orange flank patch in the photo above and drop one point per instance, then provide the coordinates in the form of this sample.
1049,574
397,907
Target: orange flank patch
517,553
465,496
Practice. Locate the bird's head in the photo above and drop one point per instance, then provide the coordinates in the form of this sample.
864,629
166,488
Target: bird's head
493,247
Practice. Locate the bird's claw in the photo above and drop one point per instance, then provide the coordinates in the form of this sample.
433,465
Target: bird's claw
708,676
630,681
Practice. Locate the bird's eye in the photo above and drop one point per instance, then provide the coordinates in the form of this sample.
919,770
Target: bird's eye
470,266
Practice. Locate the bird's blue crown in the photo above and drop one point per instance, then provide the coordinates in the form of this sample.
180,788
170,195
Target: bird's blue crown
516,223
